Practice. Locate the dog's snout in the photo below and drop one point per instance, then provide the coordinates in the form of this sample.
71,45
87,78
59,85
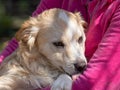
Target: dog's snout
80,66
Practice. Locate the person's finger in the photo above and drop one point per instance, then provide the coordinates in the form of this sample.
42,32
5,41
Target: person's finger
74,77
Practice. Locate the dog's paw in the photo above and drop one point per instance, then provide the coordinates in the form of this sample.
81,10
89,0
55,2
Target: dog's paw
63,82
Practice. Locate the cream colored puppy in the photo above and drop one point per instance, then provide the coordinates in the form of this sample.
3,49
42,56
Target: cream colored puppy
51,49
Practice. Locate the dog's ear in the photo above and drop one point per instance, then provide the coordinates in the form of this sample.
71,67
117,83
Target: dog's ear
81,20
27,34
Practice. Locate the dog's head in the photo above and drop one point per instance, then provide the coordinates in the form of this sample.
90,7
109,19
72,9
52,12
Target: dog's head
59,36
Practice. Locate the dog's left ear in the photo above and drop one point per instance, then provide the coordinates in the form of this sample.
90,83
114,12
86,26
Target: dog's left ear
81,21
27,34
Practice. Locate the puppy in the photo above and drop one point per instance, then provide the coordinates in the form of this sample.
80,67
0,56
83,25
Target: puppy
51,49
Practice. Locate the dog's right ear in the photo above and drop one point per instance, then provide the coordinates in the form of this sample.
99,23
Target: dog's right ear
27,34
81,21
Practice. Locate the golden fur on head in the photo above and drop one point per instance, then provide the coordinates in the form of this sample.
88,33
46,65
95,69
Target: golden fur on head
50,44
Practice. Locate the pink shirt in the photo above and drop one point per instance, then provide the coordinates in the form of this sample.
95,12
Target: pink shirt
102,44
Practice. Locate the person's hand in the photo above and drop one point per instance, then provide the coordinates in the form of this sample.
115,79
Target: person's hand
74,77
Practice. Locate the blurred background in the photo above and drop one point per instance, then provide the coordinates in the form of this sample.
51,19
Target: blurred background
12,14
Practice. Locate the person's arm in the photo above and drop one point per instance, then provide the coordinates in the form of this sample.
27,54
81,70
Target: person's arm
47,4
103,69
12,45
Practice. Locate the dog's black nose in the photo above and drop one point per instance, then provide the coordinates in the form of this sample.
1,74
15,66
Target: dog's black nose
80,66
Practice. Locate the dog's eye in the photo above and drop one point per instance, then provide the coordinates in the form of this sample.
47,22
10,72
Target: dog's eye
58,44
80,39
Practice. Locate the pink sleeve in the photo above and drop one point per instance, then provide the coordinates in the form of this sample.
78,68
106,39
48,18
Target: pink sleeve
12,45
47,4
103,70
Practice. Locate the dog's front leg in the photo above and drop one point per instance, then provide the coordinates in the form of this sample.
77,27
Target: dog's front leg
9,82
63,82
